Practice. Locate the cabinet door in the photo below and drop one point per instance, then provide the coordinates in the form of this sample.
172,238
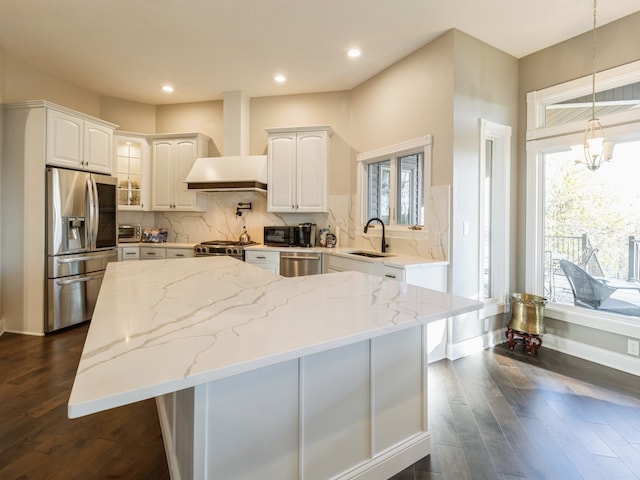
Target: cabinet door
98,141
185,153
64,140
162,191
281,173
312,171
132,170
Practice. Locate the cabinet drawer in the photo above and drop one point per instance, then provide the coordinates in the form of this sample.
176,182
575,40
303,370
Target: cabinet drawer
179,252
130,253
152,253
252,256
394,273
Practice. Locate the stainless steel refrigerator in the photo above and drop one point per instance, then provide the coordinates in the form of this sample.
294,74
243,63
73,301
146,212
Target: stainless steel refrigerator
82,229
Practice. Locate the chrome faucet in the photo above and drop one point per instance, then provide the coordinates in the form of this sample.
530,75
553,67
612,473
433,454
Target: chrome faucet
366,227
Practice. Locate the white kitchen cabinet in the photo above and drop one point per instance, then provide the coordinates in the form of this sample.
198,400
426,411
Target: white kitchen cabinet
132,170
74,141
335,263
152,253
267,260
177,252
427,275
173,157
128,253
297,165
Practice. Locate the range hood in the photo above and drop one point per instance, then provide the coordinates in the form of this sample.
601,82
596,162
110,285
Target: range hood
236,171
233,173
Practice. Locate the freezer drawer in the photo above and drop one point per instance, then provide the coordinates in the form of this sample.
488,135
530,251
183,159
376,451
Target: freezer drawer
71,300
78,264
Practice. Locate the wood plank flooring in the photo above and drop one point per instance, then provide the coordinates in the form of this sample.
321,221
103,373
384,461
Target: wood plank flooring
495,415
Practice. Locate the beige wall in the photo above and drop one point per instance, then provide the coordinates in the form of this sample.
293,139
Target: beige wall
410,99
24,82
203,117
130,116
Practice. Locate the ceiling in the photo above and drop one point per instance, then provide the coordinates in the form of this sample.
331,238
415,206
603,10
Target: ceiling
129,48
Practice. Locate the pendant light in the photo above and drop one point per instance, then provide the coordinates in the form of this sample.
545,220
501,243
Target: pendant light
593,147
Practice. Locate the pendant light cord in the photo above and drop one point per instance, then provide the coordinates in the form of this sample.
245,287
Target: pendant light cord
593,63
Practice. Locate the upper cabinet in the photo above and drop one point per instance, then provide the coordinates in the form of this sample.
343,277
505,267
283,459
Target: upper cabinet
132,170
173,157
297,169
74,141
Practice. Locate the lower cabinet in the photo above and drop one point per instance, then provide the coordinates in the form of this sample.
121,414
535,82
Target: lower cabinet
179,252
341,264
267,260
128,253
422,275
153,253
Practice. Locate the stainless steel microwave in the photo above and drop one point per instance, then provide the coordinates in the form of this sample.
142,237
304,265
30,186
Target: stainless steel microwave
129,232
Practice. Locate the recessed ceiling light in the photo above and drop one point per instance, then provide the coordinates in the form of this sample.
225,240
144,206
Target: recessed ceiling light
354,52
280,78
167,88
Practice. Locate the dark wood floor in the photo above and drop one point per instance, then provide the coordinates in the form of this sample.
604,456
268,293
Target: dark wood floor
494,415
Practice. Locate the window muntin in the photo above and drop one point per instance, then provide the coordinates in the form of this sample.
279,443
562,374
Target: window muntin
379,190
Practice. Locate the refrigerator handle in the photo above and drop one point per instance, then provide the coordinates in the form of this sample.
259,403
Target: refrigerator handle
91,199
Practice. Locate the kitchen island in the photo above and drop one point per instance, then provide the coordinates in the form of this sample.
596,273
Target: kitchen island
258,376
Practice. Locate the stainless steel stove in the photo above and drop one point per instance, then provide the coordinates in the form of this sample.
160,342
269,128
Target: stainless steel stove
230,248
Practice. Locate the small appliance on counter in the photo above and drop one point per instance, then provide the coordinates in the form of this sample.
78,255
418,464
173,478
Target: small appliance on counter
129,232
154,235
302,235
307,235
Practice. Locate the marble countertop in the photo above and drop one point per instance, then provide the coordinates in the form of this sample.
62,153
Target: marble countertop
166,325
157,244
391,259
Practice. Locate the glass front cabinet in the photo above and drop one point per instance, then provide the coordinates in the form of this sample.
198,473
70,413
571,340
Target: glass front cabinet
132,170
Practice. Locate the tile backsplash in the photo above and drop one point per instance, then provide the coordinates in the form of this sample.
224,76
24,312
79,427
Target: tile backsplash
220,222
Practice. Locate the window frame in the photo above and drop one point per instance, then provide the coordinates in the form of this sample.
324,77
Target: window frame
500,223
541,140
418,145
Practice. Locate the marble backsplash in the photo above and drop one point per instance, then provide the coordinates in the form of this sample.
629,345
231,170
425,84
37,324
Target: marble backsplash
220,222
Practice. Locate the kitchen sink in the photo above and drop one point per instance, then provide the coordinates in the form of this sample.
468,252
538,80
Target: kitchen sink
370,254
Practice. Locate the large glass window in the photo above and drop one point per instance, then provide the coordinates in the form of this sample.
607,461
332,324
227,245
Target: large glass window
591,222
583,226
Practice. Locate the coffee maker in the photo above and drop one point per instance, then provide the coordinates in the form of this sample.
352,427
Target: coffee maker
306,235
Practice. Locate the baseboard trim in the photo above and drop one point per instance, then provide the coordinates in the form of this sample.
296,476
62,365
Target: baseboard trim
475,344
618,361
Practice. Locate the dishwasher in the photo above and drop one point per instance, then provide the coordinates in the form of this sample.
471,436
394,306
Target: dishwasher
297,264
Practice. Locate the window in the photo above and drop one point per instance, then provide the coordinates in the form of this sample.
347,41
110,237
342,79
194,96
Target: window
394,181
582,226
494,213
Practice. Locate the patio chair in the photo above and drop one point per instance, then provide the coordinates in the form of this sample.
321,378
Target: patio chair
590,292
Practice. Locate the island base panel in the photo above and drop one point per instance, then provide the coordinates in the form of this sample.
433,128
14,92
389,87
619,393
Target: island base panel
353,412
